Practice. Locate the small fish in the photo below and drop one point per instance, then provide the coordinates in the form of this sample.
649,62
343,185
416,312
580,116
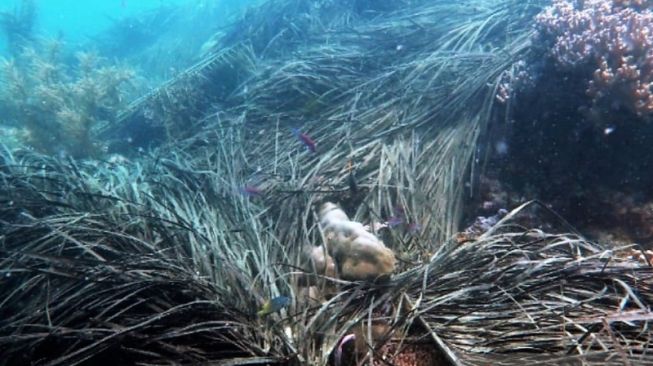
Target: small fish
397,219
305,139
251,191
394,221
273,305
609,130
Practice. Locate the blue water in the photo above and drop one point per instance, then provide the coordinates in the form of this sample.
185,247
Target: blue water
76,20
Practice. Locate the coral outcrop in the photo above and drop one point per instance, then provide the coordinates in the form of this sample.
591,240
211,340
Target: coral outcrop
613,41
319,266
358,254
319,261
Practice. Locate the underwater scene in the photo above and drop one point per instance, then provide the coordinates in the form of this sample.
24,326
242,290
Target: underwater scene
326,182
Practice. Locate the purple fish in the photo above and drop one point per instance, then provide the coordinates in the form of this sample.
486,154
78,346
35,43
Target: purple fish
394,221
305,139
251,191
398,218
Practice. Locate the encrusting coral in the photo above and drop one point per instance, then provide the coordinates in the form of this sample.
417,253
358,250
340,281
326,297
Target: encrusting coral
59,107
358,254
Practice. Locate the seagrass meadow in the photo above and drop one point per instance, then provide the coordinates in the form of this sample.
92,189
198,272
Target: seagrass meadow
165,255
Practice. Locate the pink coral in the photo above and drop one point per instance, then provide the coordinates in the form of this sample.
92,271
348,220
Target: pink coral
615,38
636,4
